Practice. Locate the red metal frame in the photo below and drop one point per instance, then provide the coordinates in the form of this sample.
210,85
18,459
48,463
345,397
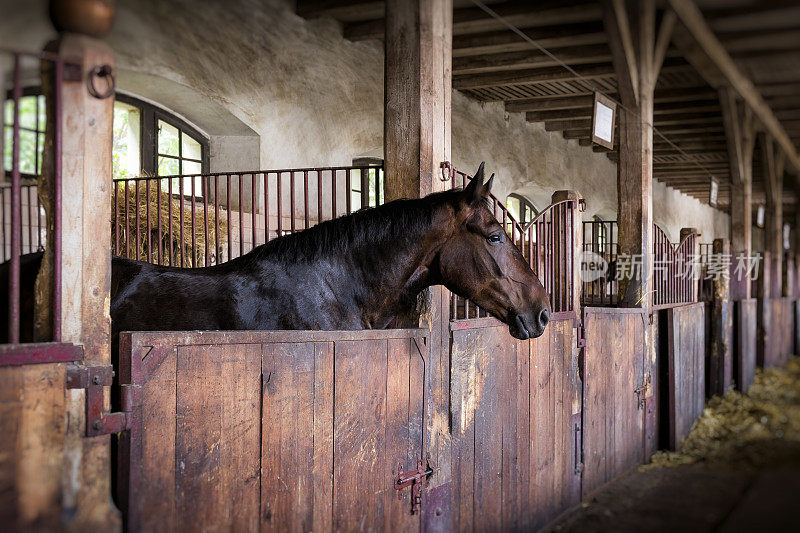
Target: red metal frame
39,353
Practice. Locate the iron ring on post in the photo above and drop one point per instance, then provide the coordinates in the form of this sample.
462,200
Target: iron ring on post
103,71
447,171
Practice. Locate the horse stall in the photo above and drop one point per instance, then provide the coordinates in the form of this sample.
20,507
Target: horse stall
775,318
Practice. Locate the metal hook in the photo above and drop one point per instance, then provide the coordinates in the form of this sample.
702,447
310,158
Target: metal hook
103,71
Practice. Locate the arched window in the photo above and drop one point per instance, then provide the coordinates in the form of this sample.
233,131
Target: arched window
148,141
521,209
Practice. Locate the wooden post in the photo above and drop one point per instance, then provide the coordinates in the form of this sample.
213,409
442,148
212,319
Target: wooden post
417,101
773,162
632,38
740,136
86,270
720,367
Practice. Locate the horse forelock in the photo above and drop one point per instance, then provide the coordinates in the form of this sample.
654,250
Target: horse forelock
391,223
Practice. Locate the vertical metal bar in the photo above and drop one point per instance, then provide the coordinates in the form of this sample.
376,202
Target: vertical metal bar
207,258
194,233
305,197
116,218
57,199
253,207
216,220
349,188
180,214
127,220
136,218
319,196
158,223
30,218
266,207
230,221
334,192
149,225
14,267
169,216
38,224
292,211
241,215
280,203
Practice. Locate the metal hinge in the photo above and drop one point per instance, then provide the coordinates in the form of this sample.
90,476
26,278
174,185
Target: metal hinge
94,379
577,444
642,392
414,478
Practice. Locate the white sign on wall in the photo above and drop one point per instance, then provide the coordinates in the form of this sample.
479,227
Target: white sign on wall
760,216
603,119
786,233
713,193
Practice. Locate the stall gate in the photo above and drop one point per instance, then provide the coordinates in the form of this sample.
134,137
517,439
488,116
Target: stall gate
618,403
516,423
745,341
279,431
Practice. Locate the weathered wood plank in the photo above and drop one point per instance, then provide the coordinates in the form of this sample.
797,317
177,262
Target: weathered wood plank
613,369
32,429
322,469
359,439
686,363
240,443
287,437
198,469
746,341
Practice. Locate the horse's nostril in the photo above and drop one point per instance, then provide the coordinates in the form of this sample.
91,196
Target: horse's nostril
544,318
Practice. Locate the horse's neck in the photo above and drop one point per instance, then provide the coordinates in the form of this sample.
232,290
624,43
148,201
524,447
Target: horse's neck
388,287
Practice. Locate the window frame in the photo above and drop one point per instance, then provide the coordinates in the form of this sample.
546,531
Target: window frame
31,90
149,116
523,203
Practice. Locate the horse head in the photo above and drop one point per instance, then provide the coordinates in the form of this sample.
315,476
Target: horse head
479,262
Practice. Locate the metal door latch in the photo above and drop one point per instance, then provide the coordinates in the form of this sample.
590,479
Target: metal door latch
94,379
415,479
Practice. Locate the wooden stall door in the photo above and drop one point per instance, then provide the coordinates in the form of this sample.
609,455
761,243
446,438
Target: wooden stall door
515,409
292,431
686,359
616,390
745,335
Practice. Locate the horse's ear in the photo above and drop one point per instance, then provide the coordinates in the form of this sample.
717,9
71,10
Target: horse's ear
473,192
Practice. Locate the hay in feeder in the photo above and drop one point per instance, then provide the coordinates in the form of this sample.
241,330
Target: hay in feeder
193,252
748,430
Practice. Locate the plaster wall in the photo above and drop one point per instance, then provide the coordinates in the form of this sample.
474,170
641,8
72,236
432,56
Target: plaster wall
308,97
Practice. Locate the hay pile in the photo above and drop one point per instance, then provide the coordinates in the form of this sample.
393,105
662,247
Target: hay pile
161,250
754,429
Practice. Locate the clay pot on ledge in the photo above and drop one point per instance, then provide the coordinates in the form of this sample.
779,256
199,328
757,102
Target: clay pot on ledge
87,17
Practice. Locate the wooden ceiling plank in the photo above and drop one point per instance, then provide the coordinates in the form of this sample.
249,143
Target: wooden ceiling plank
716,65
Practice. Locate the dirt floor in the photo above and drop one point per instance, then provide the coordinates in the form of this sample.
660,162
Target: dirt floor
739,470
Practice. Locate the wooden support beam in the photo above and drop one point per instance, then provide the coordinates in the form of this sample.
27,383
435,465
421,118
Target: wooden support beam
712,61
566,37
417,111
631,28
340,9
773,164
493,79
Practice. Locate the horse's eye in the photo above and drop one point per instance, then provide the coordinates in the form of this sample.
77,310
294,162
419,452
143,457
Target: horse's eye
496,238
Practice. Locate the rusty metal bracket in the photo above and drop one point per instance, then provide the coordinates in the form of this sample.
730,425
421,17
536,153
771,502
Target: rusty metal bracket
415,479
448,172
642,391
72,72
94,379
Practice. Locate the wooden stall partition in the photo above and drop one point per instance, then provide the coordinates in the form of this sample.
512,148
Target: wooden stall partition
617,388
515,410
775,331
270,430
32,436
745,342
686,358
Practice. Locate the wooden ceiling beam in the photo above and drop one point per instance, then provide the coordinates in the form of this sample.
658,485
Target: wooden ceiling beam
702,48
590,33
342,10
473,19
577,55
548,74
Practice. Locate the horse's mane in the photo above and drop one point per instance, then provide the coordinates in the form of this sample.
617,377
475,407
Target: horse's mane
390,223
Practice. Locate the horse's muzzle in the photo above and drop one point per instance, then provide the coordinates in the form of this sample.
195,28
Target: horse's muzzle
529,326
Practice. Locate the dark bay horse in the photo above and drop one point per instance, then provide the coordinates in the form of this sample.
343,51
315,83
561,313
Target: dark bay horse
359,271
